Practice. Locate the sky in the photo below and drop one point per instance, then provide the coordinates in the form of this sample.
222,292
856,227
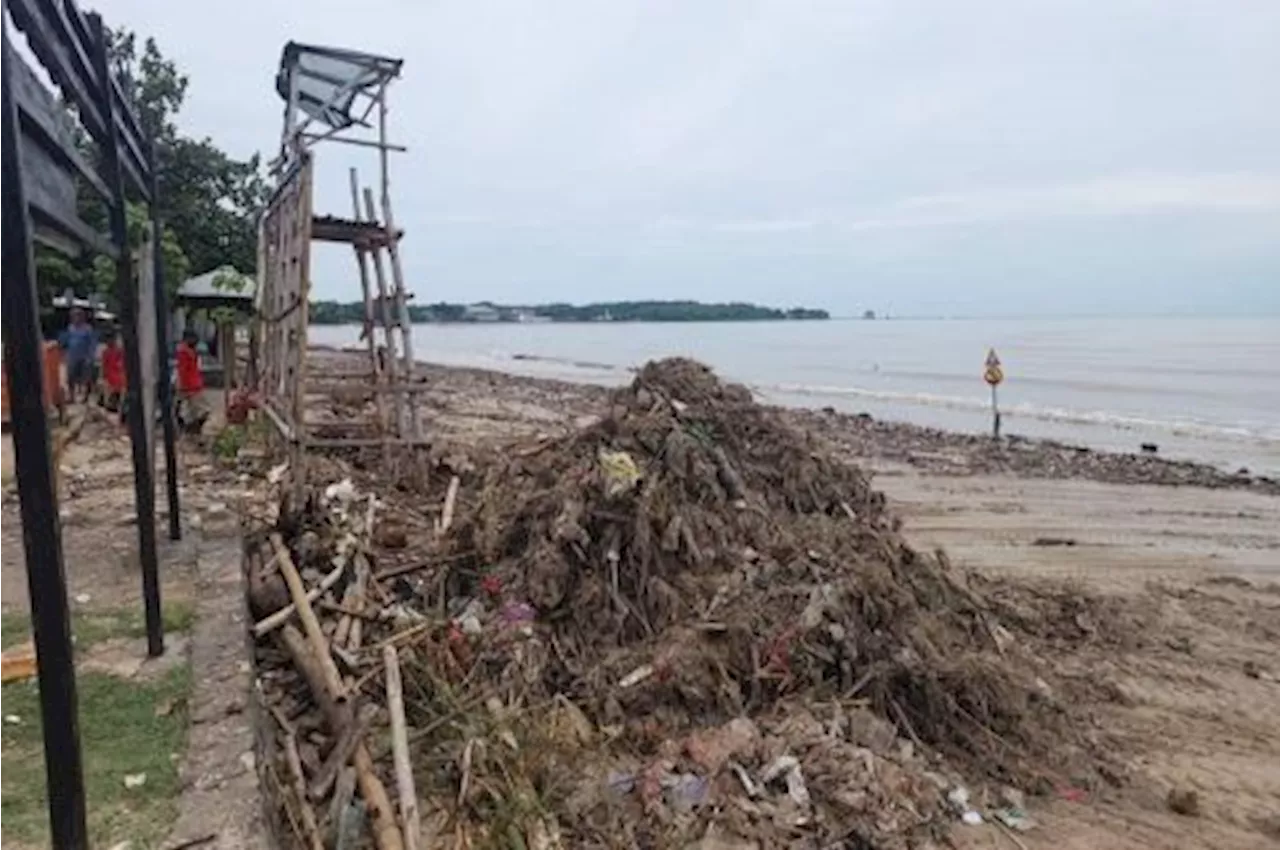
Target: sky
918,157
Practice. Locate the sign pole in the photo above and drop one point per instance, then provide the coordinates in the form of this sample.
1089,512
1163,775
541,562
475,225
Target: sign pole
995,413
993,374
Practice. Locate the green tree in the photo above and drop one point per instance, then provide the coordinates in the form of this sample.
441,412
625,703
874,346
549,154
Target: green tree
210,200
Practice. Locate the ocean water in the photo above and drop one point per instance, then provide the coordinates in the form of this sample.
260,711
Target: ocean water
1202,389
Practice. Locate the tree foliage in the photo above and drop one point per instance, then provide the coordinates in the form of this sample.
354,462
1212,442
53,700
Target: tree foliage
208,200
339,313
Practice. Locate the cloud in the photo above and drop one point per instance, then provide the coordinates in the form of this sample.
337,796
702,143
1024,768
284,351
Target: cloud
1128,195
774,149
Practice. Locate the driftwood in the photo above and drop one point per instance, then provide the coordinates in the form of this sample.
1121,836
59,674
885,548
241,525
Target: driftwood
450,501
400,749
327,693
310,625
309,824
340,756
279,618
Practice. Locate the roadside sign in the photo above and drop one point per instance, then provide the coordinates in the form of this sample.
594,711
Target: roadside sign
993,373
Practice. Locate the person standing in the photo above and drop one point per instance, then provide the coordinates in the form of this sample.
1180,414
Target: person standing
80,342
191,383
113,374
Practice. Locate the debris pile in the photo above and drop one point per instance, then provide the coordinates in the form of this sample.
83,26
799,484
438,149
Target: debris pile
681,626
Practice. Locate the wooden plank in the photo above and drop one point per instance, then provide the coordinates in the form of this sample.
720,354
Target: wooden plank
51,195
64,54
48,123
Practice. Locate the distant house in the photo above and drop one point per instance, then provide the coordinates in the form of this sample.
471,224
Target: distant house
481,313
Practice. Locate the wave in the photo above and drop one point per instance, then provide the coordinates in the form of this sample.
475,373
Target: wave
1108,419
594,371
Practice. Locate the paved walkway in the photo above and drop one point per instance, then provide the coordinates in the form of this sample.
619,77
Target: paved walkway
220,795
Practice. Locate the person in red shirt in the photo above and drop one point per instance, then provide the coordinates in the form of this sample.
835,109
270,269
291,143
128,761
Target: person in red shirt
113,374
190,384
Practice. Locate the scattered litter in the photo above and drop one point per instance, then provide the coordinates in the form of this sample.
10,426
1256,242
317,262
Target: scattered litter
12,719
685,791
135,780
972,818
1014,818
620,472
1072,794
18,662
83,598
1054,541
636,676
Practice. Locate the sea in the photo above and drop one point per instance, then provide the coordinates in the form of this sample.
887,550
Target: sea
1204,389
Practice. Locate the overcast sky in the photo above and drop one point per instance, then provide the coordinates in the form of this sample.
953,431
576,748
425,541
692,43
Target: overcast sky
921,156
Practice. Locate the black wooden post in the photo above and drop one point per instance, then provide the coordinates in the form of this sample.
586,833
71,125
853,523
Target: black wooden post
127,296
33,458
162,344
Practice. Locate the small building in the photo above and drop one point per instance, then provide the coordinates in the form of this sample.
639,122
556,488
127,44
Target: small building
213,304
481,313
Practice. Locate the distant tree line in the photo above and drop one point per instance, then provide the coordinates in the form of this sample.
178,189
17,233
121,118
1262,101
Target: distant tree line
340,313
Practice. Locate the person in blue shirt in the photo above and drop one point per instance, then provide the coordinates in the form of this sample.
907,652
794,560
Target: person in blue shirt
80,344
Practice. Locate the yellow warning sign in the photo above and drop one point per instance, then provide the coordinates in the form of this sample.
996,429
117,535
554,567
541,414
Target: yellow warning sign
993,374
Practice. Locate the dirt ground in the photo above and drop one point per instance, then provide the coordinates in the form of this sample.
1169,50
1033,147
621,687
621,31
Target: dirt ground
200,575
1196,700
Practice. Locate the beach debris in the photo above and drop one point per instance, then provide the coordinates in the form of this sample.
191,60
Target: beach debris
18,662
620,472
1054,541
697,621
1072,794
1014,817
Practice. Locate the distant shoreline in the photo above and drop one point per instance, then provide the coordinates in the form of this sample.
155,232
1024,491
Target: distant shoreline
486,312
859,435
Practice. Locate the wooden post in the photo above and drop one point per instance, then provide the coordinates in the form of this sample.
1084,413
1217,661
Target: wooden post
393,365
397,270
379,378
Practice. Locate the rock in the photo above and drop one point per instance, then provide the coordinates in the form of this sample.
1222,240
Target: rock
391,536
1184,801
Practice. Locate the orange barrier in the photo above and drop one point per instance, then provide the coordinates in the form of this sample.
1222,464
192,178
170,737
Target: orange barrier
53,397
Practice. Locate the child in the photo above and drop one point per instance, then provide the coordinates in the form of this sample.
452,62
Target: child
113,374
190,384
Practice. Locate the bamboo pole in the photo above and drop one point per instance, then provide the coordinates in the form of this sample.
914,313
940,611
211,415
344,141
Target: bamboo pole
400,750
380,276
310,625
337,715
